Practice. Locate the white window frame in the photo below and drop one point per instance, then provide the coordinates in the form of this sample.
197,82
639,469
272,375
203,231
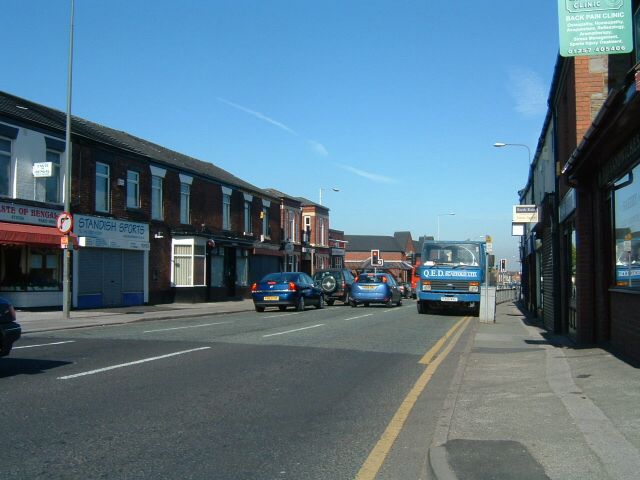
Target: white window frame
106,178
185,197
157,206
41,188
133,189
266,205
197,255
226,208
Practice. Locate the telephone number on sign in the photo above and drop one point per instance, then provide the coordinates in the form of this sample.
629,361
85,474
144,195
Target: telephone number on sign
579,51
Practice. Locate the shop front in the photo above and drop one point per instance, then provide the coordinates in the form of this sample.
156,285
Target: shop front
30,256
110,269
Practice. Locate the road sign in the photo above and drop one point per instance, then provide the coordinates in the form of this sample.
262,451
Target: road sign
64,222
595,28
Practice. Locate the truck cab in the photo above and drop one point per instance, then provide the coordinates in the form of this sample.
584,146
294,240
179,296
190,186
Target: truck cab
451,275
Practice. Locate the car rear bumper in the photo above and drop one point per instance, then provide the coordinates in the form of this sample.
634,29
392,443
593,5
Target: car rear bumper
274,299
10,333
370,297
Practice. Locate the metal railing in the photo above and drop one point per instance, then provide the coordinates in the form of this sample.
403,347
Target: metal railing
507,295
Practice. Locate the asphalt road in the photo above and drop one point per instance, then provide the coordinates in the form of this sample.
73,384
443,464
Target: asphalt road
273,395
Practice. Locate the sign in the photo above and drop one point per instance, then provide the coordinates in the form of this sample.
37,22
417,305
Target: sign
517,229
111,233
599,27
288,248
42,169
525,214
11,212
64,222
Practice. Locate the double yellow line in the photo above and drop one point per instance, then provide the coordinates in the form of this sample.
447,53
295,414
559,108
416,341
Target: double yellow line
433,358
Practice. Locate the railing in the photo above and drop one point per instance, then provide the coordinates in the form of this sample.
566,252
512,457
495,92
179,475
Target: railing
507,295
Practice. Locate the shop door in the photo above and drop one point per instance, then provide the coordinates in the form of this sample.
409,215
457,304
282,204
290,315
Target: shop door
111,278
230,271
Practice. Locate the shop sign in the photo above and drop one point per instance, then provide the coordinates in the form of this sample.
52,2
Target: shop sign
595,27
111,233
42,169
525,214
11,212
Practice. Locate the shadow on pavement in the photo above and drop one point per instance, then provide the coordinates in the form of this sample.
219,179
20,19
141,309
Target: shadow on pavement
10,367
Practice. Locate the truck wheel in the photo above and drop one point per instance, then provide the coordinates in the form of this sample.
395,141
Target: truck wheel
421,307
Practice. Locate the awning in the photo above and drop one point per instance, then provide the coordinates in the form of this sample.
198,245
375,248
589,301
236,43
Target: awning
22,234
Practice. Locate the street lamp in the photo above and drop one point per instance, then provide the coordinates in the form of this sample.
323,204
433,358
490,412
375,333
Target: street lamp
442,215
501,144
321,189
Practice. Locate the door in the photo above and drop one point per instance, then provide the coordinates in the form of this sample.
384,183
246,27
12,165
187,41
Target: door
230,271
111,278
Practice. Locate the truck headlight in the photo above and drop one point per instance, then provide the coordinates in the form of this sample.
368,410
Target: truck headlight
474,287
426,286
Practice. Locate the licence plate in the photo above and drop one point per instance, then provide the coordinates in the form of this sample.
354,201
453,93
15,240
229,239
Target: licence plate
448,299
275,298
368,287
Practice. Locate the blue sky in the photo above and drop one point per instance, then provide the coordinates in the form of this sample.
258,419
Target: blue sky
396,100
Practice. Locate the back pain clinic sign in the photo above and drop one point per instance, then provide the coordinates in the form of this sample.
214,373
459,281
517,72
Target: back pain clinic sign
598,27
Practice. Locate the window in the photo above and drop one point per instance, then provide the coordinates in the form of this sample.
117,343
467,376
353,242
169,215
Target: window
102,187
265,221
307,229
30,269
242,268
185,193
247,217
627,230
636,22
188,263
133,189
48,188
292,226
5,166
226,211
157,212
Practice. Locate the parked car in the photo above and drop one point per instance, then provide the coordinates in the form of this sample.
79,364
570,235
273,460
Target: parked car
336,284
375,288
286,289
10,330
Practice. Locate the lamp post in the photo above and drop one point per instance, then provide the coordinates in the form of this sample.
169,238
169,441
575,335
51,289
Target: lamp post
66,266
442,215
501,144
321,189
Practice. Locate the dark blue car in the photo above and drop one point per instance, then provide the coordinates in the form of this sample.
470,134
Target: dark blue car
9,330
286,289
375,288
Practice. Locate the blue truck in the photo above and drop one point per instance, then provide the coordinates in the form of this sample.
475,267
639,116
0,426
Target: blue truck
450,275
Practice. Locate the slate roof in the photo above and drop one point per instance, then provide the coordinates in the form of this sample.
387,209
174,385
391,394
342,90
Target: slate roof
365,243
17,108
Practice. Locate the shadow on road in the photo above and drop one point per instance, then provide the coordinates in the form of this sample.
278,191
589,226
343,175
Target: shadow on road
10,367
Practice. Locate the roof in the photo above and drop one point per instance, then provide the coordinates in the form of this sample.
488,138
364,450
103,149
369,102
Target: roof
365,243
388,265
402,238
26,111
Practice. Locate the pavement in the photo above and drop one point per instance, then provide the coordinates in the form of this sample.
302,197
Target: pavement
523,403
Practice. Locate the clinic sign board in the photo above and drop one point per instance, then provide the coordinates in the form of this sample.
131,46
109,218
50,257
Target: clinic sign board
525,214
104,232
597,27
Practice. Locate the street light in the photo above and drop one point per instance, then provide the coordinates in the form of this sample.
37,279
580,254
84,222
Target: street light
321,189
501,144
442,215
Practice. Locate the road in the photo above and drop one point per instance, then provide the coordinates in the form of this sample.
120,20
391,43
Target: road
335,393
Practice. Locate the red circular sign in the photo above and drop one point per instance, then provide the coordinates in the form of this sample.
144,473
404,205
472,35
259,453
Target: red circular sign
64,222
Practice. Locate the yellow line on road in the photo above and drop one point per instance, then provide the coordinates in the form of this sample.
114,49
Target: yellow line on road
379,453
436,348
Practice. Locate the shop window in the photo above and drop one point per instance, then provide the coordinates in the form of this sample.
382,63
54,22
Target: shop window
188,263
5,166
627,230
217,269
30,269
133,189
242,268
102,187
157,212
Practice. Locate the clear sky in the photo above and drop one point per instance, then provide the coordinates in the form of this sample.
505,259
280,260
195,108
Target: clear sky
396,103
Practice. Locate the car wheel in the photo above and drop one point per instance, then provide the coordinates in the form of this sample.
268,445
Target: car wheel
330,301
389,303
366,304
399,302
421,307
354,304
282,307
300,304
320,302
259,309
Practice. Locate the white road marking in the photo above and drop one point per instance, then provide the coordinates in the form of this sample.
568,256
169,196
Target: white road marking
144,360
296,330
43,344
182,328
361,316
283,315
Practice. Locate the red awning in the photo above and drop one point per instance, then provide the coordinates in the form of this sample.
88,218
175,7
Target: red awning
21,234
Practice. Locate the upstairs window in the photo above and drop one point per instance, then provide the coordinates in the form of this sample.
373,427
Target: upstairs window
265,221
226,209
5,166
48,188
185,193
157,212
247,217
102,187
133,189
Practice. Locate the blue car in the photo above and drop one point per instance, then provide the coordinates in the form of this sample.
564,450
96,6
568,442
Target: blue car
286,289
9,329
375,288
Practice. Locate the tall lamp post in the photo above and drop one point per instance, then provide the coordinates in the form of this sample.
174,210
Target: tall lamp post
501,144
321,189
66,266
442,215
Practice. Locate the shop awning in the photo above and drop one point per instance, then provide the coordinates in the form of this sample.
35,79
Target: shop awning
21,234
